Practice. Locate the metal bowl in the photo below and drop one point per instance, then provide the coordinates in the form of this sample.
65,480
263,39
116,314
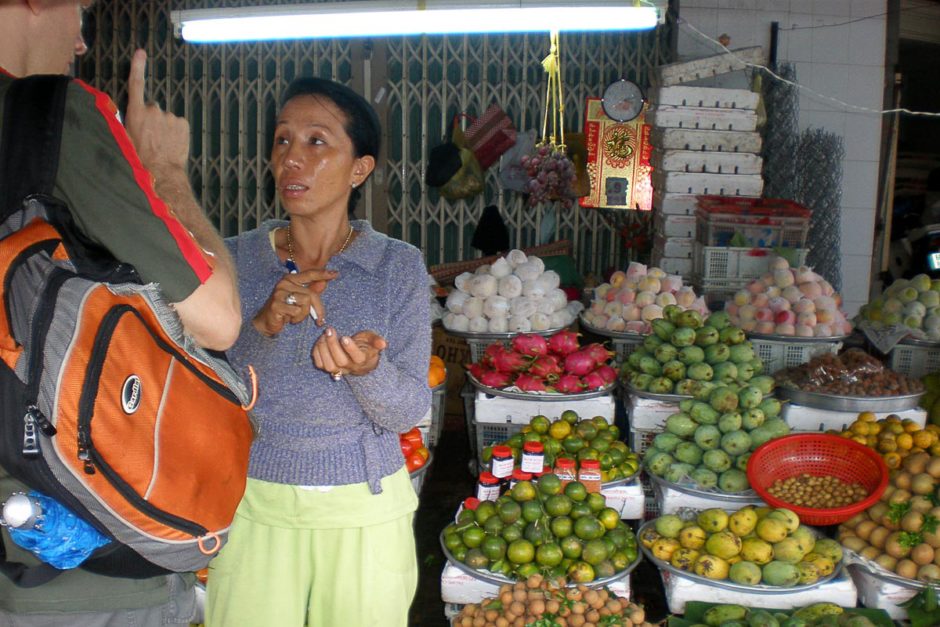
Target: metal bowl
494,337
793,339
668,398
617,335
541,396
849,403
738,498
497,579
730,585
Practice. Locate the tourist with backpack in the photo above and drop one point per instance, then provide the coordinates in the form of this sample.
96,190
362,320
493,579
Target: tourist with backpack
337,325
128,192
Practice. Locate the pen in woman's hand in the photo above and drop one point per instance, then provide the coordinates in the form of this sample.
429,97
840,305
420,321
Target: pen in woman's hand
293,269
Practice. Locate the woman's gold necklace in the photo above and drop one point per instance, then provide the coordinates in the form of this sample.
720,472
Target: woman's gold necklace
290,245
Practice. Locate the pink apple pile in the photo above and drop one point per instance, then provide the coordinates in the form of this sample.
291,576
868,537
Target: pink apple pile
638,296
789,301
533,363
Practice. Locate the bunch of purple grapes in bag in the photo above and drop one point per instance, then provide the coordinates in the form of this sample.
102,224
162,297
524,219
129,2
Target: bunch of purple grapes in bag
551,175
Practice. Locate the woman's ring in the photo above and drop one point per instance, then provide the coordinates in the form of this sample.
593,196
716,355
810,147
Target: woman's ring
337,376
290,300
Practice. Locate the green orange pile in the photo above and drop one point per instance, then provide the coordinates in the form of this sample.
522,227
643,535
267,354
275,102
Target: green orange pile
544,528
570,436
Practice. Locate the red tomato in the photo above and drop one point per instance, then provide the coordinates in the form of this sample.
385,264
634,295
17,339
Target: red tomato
414,436
413,462
407,448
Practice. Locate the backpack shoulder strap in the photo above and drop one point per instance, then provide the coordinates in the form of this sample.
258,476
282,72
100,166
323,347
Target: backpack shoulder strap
33,113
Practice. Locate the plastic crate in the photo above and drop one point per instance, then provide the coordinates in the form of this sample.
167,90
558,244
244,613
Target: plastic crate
624,346
778,355
711,263
438,409
914,361
762,222
478,346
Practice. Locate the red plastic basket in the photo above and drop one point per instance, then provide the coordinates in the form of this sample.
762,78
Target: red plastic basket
818,454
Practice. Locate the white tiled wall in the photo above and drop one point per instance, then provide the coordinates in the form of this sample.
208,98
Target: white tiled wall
841,57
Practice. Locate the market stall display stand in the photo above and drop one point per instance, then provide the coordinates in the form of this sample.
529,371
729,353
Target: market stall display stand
782,351
914,358
622,342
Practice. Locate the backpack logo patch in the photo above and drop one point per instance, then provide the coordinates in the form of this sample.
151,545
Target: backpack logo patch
130,394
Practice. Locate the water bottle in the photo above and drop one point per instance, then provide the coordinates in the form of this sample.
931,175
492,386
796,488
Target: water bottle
49,530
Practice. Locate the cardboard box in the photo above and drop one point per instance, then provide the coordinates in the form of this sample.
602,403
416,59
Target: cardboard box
687,96
704,183
627,499
678,226
671,501
802,418
717,141
878,593
680,590
681,247
708,162
703,118
455,353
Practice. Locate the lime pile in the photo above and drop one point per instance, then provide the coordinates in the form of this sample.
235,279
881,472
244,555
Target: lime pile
689,355
570,436
707,443
546,528
754,545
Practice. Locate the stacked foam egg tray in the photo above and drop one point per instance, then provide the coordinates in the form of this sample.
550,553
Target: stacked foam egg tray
705,142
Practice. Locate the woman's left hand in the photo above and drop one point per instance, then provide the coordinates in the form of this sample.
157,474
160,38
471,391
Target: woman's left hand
356,355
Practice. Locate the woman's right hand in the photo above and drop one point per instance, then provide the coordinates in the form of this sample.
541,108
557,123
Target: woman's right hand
292,299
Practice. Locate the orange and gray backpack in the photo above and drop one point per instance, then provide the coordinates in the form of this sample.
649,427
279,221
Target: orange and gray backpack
105,405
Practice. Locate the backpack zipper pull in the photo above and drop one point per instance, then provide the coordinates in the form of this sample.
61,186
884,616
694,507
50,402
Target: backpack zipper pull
83,452
30,439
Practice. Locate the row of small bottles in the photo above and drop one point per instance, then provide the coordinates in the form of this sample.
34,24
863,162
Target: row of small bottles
503,473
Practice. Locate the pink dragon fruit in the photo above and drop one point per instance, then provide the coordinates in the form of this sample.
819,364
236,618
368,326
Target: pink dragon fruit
529,383
607,373
476,369
490,351
495,379
563,343
598,353
530,344
507,360
579,363
546,366
593,380
569,384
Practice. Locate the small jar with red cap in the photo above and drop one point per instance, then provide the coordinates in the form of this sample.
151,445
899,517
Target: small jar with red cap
519,475
565,469
533,456
502,462
590,475
488,486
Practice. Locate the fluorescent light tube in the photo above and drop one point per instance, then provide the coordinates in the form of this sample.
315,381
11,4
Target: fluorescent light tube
415,17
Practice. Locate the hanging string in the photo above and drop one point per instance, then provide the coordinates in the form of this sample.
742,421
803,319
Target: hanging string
554,96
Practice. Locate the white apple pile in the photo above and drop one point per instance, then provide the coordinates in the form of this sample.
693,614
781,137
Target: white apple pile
914,303
636,297
789,301
514,294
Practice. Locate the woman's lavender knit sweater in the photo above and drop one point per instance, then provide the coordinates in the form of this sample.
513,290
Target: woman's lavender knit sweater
313,430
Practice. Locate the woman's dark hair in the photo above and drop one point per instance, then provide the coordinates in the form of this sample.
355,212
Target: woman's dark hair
362,122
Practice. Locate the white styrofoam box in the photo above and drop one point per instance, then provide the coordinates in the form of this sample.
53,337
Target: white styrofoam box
674,226
719,141
674,204
703,183
710,162
462,588
627,499
671,501
680,590
648,414
802,418
687,96
881,594
673,265
703,118
914,361
674,246
723,63
496,418
781,354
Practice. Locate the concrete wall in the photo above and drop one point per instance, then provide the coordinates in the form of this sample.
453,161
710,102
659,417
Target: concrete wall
842,57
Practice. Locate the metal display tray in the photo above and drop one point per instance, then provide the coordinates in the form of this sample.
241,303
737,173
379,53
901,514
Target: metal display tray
849,403
494,337
616,335
541,396
913,341
736,498
730,585
793,339
667,398
497,579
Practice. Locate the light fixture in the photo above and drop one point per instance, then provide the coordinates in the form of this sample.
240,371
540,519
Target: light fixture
363,18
